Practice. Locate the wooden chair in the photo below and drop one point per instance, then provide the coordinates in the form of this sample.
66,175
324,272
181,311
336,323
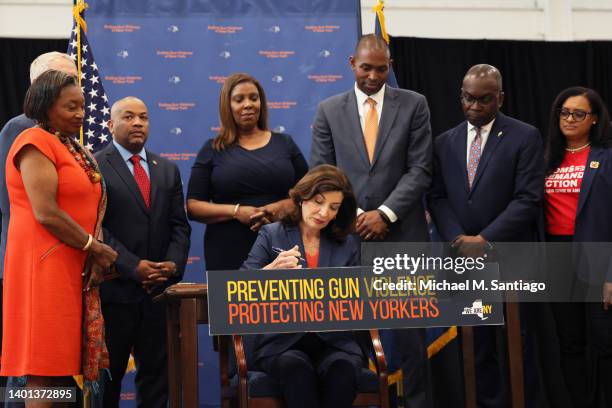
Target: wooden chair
255,389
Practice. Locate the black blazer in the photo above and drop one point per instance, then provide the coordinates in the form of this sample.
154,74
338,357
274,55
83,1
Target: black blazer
160,233
504,201
594,218
331,253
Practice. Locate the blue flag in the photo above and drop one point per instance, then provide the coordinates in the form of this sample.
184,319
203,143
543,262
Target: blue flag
95,133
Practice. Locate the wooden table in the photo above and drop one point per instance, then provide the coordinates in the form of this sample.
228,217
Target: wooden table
186,307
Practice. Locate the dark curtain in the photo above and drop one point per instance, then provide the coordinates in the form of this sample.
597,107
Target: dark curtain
17,55
534,72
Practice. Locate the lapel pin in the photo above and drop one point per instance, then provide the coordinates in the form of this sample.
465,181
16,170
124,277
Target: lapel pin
500,134
594,164
155,162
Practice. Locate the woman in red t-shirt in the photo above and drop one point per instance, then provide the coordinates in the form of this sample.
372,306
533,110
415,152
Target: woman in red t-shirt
578,197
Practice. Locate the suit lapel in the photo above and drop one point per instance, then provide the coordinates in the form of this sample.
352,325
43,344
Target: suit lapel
459,146
389,111
120,167
495,136
154,176
354,131
595,156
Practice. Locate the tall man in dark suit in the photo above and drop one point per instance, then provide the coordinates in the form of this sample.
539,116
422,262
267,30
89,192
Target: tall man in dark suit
487,187
145,223
381,138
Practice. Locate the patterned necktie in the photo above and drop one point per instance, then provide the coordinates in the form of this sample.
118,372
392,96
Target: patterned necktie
371,128
142,179
474,157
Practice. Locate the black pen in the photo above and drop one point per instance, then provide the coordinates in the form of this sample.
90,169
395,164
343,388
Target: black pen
279,250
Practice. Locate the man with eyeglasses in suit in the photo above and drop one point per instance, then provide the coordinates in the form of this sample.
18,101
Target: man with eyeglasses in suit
487,187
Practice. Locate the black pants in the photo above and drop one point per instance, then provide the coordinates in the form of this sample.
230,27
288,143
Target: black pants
584,331
141,328
314,374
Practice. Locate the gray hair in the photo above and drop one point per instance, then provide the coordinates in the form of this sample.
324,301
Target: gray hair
42,62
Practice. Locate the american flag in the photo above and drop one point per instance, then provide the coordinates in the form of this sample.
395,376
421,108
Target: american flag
95,132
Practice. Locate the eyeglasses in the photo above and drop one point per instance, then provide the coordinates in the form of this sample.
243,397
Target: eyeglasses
577,115
469,99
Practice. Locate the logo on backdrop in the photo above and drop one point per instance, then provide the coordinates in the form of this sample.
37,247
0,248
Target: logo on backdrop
173,29
174,79
276,54
225,54
274,29
277,78
124,28
325,78
322,28
176,131
123,54
176,106
279,129
324,53
282,105
219,29
175,54
122,80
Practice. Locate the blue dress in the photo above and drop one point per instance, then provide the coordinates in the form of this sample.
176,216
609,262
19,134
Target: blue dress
236,175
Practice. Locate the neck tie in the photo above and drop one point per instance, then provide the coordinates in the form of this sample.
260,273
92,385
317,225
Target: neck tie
474,157
371,128
142,179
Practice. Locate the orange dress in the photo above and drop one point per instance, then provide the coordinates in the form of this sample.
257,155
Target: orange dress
43,298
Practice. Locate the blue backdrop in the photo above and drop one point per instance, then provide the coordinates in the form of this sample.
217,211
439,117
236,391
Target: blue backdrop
175,54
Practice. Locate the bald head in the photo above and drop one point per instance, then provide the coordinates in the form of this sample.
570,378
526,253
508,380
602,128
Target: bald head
372,42
129,123
485,71
120,105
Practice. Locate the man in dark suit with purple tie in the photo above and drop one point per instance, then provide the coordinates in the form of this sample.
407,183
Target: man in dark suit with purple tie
487,187
146,224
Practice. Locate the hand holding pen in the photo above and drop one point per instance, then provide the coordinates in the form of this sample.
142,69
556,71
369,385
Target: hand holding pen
289,259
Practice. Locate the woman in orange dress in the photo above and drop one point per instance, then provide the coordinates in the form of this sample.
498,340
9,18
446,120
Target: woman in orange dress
57,202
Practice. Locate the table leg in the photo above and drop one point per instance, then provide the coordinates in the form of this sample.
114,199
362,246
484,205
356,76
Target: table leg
189,352
515,354
174,350
469,366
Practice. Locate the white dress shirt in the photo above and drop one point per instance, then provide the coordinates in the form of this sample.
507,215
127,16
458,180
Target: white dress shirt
363,107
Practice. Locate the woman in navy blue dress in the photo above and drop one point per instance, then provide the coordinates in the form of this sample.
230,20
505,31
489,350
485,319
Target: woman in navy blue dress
240,179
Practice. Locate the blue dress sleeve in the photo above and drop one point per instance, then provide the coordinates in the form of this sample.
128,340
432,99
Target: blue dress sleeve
201,172
261,253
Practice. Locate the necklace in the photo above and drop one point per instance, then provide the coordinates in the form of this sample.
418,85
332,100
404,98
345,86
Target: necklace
83,159
577,149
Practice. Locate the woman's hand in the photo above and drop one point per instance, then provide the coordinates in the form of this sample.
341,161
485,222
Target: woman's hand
96,276
607,295
286,260
102,254
252,216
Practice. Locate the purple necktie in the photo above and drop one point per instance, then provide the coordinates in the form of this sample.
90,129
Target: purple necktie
474,157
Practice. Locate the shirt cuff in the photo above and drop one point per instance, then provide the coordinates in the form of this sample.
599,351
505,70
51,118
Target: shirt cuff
388,212
359,211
